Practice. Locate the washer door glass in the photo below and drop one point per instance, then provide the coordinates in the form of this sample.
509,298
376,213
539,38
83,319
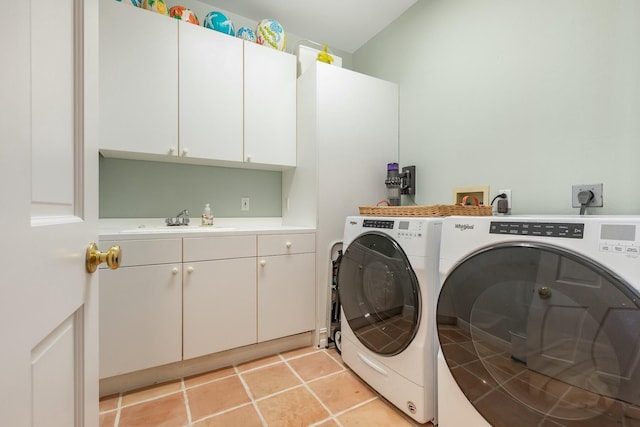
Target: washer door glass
536,335
379,293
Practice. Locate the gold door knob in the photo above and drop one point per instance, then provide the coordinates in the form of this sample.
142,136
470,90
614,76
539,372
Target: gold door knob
94,257
544,292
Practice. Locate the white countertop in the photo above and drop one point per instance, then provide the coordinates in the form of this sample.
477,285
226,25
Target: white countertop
155,228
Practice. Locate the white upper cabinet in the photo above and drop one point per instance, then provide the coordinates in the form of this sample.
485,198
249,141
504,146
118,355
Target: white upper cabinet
269,106
210,82
138,79
172,90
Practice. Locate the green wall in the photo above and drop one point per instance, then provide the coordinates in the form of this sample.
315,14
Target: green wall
527,95
144,189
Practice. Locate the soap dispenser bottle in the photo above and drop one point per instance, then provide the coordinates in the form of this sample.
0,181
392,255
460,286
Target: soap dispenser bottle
207,218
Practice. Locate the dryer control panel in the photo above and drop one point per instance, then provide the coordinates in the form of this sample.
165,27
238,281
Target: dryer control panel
543,229
619,238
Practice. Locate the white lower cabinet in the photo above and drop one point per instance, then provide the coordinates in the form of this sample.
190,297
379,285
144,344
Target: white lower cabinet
286,295
178,299
286,285
141,308
219,294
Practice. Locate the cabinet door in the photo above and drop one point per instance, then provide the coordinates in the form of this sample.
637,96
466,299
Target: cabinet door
269,106
140,318
286,295
210,94
138,79
219,305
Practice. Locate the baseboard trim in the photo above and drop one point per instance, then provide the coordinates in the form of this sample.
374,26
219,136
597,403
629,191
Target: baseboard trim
173,371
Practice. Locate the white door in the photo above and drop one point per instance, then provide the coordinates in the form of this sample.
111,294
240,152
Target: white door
48,213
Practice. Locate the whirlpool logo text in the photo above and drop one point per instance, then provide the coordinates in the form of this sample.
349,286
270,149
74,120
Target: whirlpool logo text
463,227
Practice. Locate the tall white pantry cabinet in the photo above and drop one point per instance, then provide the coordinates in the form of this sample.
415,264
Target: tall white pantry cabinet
347,132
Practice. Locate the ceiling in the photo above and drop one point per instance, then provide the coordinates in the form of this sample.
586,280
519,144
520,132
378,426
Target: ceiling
342,24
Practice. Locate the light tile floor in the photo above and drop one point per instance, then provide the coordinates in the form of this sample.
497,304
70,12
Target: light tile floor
304,387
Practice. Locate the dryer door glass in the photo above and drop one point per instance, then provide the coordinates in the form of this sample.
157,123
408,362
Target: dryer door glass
380,294
536,335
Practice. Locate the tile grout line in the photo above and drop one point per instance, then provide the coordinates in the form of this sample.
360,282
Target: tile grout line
306,385
252,400
116,422
248,391
151,399
208,382
376,396
186,401
303,383
357,405
257,367
224,411
336,360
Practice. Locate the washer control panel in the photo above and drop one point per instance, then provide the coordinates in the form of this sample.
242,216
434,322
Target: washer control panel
378,223
402,228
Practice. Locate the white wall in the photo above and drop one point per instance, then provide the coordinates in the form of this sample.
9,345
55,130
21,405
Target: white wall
529,95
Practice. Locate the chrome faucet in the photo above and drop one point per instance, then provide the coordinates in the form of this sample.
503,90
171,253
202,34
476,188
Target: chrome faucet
181,219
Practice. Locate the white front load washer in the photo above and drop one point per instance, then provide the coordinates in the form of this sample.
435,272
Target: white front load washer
538,321
388,282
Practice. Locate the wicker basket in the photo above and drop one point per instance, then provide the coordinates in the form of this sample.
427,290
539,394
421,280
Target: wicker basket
433,210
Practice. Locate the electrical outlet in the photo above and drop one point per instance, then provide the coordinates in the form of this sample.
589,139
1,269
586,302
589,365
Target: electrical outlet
508,193
597,194
244,204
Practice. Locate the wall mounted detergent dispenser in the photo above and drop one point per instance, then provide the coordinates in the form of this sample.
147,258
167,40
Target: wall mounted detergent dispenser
400,182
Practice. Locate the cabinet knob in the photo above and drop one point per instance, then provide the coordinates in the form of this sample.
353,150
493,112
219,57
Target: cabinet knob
174,270
263,262
172,150
185,151
288,244
189,269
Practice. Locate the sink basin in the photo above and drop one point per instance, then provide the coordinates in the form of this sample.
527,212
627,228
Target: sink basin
175,229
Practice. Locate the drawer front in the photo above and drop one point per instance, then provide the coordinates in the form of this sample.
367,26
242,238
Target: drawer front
146,252
282,244
224,247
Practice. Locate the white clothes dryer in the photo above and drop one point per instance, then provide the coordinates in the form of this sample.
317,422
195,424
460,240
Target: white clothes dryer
388,282
538,321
